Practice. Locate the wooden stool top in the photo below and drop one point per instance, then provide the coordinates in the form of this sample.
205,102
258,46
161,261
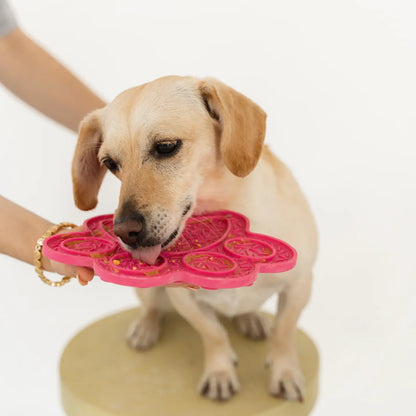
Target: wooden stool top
102,376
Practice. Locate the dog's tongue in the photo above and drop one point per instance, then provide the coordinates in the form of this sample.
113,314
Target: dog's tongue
147,254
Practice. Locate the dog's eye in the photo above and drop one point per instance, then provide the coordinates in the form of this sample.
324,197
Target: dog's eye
167,148
110,164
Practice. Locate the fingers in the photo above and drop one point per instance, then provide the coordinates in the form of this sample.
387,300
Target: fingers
84,275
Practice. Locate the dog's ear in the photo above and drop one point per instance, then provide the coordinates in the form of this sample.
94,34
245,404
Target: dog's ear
87,173
242,125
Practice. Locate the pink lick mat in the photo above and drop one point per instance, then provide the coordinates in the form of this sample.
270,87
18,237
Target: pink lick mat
215,251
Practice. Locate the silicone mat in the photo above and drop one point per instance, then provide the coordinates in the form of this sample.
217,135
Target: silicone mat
215,251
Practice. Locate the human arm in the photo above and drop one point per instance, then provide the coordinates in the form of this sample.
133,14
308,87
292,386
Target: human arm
37,78
19,232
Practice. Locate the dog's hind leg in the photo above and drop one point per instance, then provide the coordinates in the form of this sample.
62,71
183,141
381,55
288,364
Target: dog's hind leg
219,379
145,330
253,325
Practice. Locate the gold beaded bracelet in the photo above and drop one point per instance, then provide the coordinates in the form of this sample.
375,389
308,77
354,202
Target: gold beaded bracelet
37,255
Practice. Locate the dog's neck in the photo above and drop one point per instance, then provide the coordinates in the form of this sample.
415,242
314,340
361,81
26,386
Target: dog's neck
223,190
254,195
219,188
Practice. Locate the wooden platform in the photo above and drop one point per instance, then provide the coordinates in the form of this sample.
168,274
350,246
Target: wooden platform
102,376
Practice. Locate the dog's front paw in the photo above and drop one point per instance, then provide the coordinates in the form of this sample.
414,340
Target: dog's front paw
219,384
286,379
219,381
143,333
252,325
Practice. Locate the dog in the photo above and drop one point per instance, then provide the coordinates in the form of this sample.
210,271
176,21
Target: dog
183,146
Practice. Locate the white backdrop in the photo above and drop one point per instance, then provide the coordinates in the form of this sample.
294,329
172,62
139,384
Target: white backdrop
337,80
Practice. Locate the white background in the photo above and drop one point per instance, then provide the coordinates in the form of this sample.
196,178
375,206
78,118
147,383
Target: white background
337,79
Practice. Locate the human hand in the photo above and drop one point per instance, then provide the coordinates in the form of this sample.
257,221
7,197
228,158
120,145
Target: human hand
84,274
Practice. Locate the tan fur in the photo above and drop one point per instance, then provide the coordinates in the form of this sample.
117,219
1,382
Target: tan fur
87,174
222,165
243,126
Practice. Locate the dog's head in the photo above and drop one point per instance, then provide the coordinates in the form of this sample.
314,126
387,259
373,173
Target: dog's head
161,140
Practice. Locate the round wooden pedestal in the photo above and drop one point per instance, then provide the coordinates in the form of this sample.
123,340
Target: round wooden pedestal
102,376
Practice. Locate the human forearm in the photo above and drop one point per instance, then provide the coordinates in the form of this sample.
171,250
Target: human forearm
19,230
38,79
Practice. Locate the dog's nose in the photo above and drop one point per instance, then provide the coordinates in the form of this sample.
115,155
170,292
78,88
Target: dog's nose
129,230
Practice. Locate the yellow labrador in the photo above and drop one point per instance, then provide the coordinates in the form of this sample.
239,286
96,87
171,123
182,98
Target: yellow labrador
181,145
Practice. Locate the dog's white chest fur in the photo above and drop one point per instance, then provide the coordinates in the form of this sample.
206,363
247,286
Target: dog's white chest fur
231,302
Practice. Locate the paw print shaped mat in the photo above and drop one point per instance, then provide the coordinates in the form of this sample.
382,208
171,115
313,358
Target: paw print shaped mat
215,251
